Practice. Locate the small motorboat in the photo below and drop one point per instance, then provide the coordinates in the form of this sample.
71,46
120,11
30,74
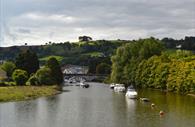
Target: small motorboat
112,86
145,99
84,85
119,88
131,93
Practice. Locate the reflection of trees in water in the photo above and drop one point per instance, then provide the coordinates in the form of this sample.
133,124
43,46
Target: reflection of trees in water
39,112
26,112
52,106
120,110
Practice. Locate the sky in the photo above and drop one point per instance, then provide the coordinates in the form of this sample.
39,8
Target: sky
40,21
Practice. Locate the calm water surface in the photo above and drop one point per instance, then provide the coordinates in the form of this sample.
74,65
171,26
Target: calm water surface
98,106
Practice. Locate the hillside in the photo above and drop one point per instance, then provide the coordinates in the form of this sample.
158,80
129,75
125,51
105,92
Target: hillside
89,53
85,52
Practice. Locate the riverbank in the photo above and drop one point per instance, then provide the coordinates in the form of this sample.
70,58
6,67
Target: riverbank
19,93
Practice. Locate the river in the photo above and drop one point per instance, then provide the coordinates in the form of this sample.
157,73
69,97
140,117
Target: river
99,106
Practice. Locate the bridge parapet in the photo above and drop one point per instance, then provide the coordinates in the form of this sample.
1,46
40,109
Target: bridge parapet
87,77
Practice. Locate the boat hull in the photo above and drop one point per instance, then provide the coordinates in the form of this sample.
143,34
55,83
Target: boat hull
131,95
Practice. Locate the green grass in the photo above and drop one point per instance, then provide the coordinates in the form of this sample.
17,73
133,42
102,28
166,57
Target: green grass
18,93
59,58
94,54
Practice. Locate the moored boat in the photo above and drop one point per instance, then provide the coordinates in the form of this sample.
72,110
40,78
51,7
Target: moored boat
119,88
112,86
84,85
131,93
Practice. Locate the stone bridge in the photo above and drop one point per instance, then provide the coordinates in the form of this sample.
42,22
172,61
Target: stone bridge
87,77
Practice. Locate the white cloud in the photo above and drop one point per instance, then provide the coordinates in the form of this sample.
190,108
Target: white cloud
40,21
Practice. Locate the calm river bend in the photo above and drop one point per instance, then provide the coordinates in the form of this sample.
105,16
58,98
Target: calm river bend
98,106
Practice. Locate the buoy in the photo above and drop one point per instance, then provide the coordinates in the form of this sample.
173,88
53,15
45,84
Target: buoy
152,105
161,113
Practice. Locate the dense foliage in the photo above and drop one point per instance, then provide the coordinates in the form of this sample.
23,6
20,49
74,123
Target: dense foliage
128,57
103,68
20,77
33,80
27,61
8,67
50,74
188,43
85,53
56,72
143,64
44,76
173,72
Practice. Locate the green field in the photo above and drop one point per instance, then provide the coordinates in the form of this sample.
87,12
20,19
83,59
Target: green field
94,54
59,58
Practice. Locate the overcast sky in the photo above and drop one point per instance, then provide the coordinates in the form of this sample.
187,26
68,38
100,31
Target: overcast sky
41,21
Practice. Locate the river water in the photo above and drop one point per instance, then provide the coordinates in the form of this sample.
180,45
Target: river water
99,106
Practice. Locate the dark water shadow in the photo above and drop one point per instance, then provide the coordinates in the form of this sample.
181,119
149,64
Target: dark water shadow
65,91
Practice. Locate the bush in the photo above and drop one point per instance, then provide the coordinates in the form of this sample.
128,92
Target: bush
44,76
8,67
20,77
33,80
2,83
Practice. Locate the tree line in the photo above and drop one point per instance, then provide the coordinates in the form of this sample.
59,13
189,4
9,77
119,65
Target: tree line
25,70
147,63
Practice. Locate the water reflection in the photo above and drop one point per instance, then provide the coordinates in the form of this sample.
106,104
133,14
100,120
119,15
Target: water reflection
26,112
98,106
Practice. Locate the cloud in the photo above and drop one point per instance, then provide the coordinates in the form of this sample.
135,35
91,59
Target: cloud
24,31
40,21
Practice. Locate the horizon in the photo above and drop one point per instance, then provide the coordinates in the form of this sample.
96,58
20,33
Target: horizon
89,41
37,22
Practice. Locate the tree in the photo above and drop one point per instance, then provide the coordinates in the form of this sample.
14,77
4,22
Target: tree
84,38
20,76
44,76
127,58
33,80
8,67
103,68
56,72
27,61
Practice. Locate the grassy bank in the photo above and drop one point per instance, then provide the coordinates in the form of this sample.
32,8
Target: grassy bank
18,93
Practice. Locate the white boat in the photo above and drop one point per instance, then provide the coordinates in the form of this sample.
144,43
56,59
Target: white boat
119,88
131,93
84,85
112,86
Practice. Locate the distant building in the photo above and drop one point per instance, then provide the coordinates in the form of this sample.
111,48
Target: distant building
74,69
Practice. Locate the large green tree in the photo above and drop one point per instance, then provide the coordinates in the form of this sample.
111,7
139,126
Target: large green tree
103,68
44,77
8,67
56,72
127,58
27,61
